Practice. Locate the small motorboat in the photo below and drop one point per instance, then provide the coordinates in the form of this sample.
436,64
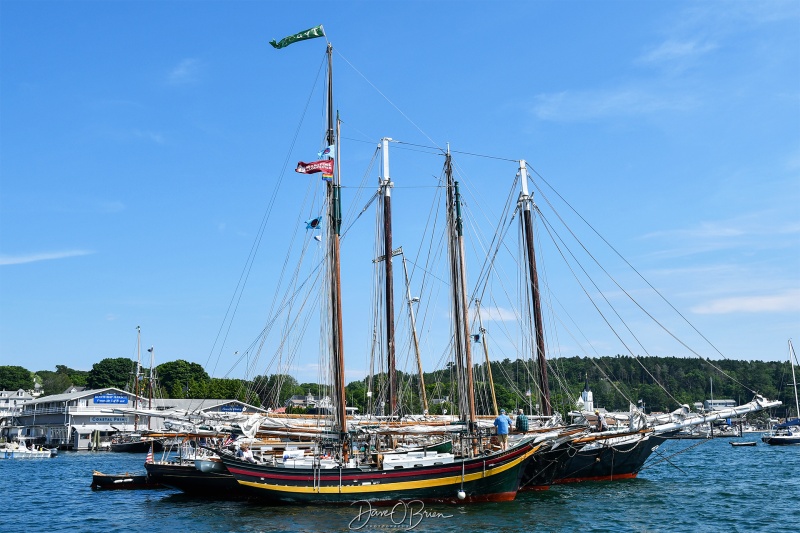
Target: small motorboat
127,481
746,443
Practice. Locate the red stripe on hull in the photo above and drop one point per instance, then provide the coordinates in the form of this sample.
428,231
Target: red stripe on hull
534,488
595,478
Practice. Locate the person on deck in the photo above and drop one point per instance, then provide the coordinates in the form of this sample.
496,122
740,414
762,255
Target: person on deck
247,455
502,423
522,422
602,425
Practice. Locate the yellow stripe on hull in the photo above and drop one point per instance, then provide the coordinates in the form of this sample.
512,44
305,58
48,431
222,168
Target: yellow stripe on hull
401,485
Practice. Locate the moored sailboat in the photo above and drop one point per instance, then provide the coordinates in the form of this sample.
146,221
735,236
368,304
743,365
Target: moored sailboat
343,468
787,432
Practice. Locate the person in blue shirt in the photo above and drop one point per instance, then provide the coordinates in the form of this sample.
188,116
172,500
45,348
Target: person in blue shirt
502,423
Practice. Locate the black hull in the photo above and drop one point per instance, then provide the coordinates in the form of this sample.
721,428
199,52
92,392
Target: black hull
543,468
781,441
606,462
125,481
491,478
142,446
188,479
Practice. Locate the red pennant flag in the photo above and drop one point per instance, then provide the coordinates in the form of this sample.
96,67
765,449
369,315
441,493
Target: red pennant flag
325,166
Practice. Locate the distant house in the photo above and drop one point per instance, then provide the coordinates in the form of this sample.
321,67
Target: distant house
11,403
308,401
314,405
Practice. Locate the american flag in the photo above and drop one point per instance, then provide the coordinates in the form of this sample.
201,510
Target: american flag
149,458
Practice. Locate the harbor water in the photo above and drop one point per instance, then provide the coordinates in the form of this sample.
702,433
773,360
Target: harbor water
687,486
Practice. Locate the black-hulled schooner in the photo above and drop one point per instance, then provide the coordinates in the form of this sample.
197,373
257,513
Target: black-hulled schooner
341,471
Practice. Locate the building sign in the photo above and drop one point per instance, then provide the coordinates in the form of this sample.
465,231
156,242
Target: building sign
108,420
231,409
111,398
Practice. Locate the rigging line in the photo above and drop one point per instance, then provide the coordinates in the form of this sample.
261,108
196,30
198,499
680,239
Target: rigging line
396,187
627,263
372,199
635,302
244,276
461,152
293,279
431,274
597,308
497,238
553,314
388,100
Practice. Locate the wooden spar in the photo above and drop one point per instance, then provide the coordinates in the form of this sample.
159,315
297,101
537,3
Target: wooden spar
386,190
461,302
465,316
463,354
527,227
486,353
335,215
423,394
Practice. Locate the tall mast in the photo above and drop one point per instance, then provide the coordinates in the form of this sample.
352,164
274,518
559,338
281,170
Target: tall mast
486,353
150,387
794,379
422,393
335,223
527,227
460,301
386,191
136,378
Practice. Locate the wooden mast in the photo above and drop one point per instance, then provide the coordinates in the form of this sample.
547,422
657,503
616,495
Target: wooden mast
486,353
527,227
386,192
335,219
423,394
460,301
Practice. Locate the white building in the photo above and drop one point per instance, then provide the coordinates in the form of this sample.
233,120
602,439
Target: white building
68,420
11,403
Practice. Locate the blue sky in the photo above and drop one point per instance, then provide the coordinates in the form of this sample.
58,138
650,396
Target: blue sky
141,144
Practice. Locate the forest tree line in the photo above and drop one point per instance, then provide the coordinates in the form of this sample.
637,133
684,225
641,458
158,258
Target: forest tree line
655,383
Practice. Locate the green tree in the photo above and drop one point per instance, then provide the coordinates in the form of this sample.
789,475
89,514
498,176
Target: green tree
15,378
53,382
111,372
182,378
76,377
275,389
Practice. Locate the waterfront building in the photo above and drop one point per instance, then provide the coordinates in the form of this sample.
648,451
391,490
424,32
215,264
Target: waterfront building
70,420
11,403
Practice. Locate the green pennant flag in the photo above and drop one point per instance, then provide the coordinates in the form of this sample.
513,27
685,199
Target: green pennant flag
316,31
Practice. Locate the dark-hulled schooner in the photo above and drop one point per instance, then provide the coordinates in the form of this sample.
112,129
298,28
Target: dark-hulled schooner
343,469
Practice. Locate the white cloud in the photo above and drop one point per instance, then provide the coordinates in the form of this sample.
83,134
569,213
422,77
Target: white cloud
498,314
672,50
788,301
588,105
42,256
185,72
